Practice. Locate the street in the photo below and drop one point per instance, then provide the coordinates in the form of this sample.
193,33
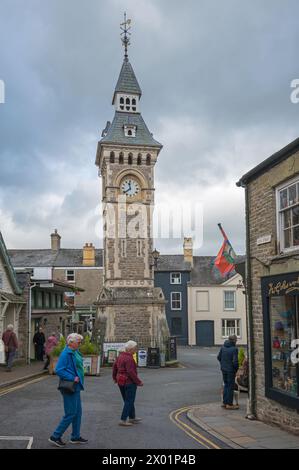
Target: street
34,411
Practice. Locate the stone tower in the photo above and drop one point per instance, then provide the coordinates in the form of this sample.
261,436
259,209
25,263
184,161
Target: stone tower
129,306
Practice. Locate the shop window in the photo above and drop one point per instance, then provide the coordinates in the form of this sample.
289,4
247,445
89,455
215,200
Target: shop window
176,300
176,326
47,300
231,327
175,278
288,216
39,299
284,329
229,300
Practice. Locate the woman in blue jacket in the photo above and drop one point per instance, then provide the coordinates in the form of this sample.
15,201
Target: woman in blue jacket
70,367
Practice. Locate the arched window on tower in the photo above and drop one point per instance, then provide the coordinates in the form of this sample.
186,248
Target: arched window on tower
121,158
130,159
139,159
112,157
148,159
121,103
134,104
128,104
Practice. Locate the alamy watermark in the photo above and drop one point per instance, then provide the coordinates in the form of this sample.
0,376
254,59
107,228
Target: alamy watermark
2,92
295,93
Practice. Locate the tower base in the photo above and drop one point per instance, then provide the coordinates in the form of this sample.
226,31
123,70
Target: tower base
136,314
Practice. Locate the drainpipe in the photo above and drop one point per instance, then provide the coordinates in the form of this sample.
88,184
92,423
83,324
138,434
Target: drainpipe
29,321
252,392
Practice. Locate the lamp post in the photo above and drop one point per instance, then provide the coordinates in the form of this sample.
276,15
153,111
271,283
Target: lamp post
155,255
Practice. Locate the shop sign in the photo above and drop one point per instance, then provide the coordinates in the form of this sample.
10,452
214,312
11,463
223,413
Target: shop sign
284,286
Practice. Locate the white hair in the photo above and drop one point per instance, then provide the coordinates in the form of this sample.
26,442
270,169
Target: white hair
74,338
130,345
10,327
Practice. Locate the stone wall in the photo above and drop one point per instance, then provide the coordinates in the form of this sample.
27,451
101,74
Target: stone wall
262,210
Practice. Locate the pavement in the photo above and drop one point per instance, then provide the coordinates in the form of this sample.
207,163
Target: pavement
238,432
20,373
180,406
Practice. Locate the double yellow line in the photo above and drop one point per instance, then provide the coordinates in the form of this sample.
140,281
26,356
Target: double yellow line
202,440
5,391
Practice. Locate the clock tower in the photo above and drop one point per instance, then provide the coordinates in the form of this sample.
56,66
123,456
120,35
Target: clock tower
129,306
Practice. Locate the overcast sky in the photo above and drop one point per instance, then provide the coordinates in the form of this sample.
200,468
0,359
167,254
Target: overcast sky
215,77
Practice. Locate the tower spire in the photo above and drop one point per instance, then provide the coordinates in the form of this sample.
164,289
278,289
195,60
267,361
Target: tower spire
125,35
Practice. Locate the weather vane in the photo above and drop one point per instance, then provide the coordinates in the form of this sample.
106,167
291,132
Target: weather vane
125,35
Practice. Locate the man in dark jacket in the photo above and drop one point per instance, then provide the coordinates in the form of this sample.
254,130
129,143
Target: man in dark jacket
228,358
39,342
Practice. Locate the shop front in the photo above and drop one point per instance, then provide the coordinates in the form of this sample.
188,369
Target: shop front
281,338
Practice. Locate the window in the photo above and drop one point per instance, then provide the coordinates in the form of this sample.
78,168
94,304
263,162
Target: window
139,159
281,330
130,159
176,300
231,327
121,158
58,301
229,300
39,299
288,216
47,299
130,130
70,275
202,301
139,248
148,159
123,248
175,278
176,326
112,157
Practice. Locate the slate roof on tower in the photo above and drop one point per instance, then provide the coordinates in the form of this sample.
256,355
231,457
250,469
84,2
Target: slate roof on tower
127,81
116,135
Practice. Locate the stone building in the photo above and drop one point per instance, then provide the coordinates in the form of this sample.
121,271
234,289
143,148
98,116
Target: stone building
79,272
11,298
129,306
272,286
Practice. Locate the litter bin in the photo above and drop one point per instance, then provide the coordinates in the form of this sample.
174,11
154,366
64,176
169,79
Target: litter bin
153,358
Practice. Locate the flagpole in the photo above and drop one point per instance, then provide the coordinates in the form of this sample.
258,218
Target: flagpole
223,232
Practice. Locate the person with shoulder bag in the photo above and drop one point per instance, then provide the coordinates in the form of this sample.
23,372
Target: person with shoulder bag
10,341
125,376
70,371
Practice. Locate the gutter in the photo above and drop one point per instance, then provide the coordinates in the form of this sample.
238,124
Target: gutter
252,384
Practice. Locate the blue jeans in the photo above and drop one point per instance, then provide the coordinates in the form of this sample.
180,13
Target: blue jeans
73,413
128,393
9,358
229,385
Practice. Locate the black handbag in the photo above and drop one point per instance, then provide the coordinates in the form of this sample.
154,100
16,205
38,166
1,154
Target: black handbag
66,386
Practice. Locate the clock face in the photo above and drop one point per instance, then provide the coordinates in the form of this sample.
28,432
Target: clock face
130,187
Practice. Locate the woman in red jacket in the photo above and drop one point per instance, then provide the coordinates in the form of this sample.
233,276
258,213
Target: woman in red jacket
125,376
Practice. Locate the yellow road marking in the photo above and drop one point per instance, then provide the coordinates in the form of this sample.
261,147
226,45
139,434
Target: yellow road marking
17,387
174,416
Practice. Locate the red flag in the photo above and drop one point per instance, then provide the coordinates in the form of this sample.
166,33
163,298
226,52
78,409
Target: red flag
225,260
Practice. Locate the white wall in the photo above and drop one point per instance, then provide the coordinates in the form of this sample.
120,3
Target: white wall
201,308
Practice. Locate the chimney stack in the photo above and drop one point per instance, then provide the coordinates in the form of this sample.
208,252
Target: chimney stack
188,250
55,241
89,255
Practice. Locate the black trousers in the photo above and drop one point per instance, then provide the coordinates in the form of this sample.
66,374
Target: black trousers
39,352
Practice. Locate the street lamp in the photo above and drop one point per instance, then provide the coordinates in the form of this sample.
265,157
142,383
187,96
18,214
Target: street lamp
155,255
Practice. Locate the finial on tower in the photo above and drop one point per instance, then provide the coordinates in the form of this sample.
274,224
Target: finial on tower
125,35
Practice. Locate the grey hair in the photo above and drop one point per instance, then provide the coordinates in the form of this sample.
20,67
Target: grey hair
74,338
130,345
233,338
10,327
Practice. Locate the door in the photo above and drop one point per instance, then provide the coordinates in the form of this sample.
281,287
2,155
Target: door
205,333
